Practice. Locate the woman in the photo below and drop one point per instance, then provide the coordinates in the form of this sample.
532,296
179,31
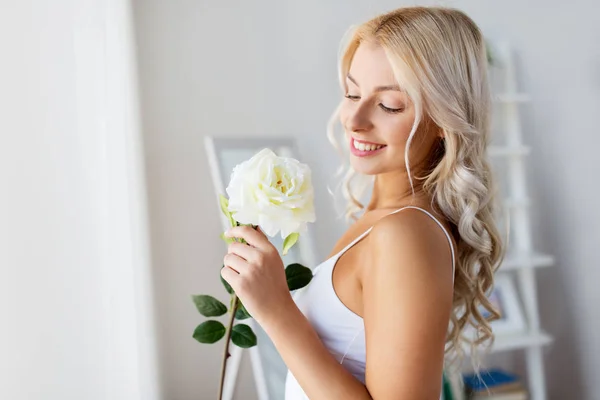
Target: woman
414,268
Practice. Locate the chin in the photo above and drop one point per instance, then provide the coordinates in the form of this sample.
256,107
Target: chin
364,168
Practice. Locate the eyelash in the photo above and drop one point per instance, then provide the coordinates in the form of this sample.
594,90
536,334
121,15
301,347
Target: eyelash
384,108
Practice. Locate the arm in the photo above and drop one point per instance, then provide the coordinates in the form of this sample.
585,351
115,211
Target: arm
316,370
251,268
407,300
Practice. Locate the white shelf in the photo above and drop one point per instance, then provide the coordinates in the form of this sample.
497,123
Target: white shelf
513,261
516,341
495,151
512,98
521,257
520,341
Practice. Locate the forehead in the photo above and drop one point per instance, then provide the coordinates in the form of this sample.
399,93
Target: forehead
370,66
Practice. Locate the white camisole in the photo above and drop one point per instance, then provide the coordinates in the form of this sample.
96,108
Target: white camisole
340,329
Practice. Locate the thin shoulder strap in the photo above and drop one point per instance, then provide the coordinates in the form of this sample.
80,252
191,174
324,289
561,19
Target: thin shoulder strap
441,226
365,233
352,243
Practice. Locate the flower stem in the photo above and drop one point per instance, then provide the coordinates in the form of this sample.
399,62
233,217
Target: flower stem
233,307
227,342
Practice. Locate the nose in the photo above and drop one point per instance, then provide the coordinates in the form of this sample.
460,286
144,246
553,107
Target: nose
358,119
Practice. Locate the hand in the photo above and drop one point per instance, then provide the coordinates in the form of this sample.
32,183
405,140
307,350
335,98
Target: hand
256,273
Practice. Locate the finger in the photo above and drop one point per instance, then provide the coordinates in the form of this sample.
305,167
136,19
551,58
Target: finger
236,263
250,235
230,276
244,251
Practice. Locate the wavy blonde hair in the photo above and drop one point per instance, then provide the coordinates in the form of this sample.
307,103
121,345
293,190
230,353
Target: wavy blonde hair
439,57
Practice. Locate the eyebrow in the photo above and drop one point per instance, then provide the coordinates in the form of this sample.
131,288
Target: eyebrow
378,88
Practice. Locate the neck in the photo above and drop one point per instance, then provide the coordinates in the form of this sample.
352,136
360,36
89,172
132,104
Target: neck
392,190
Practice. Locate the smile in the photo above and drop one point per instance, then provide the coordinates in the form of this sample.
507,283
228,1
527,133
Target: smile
366,146
365,149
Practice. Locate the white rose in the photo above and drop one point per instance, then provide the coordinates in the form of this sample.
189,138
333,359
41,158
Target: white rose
273,192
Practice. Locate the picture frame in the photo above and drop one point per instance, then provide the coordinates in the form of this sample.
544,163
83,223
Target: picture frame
506,300
224,153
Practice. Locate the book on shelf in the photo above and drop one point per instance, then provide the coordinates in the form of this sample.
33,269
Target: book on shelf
494,384
453,387
520,395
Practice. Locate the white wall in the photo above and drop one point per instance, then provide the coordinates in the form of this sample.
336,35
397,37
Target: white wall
75,297
268,67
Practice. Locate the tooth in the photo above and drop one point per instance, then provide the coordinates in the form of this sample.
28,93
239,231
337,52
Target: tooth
361,146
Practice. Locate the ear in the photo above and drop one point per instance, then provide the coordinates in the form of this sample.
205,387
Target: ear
440,133
429,126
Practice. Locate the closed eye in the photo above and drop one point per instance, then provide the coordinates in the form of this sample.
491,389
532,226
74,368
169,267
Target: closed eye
390,110
384,108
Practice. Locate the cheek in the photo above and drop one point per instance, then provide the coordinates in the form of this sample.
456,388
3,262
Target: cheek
397,130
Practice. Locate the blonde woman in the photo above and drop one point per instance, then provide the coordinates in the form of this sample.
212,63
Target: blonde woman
389,306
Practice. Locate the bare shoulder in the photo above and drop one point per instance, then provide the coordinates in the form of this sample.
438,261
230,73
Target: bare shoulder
407,300
409,238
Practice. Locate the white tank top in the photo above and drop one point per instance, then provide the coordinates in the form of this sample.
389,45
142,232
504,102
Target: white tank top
340,329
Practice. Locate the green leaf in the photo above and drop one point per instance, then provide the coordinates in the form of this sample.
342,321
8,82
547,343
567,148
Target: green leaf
209,332
289,241
226,285
243,336
209,306
224,203
241,312
227,240
297,276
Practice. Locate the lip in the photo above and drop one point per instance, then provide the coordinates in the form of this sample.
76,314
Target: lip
363,153
365,142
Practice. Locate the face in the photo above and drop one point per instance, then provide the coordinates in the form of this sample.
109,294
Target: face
377,113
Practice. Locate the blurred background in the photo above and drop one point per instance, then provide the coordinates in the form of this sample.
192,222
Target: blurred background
108,217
